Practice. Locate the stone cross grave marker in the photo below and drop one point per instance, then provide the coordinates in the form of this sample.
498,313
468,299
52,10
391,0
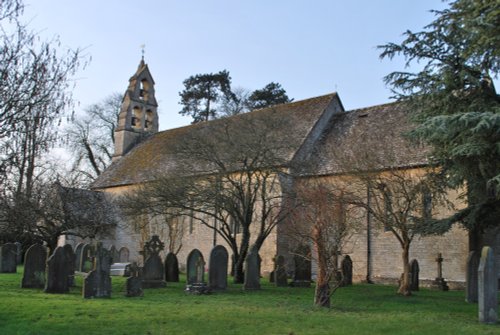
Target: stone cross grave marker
487,287
35,261
97,284
153,271
217,270
171,268
440,283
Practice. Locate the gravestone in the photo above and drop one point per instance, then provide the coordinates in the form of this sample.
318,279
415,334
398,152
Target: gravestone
115,256
217,270
57,272
280,277
471,277
196,274
35,261
440,283
78,255
97,284
252,271
70,255
487,287
123,255
86,262
302,273
153,270
19,253
134,282
8,258
171,268
272,274
414,275
346,269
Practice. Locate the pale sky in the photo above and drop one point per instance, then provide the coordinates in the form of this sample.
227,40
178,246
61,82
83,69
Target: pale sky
310,47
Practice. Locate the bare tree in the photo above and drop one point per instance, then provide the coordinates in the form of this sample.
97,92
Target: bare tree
325,218
91,138
229,176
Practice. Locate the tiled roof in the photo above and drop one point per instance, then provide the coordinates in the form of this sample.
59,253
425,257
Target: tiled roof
157,155
366,139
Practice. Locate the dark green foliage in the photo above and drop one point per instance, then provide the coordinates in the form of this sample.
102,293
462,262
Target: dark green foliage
202,92
455,104
272,94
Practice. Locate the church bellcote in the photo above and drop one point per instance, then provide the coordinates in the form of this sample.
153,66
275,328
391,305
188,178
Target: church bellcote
138,116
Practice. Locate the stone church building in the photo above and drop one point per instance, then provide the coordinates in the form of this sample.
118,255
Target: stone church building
319,131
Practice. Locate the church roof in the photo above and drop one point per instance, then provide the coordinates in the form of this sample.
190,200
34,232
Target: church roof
372,138
157,155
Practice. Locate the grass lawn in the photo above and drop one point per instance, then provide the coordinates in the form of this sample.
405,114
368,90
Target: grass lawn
360,309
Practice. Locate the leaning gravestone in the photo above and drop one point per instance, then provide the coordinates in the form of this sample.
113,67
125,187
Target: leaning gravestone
302,274
217,270
414,275
123,255
35,261
153,271
196,273
346,267
487,287
70,255
78,255
171,268
471,277
134,282
57,272
8,255
97,284
252,271
280,277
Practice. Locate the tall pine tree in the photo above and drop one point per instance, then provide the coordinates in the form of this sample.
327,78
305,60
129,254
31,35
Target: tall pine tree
456,106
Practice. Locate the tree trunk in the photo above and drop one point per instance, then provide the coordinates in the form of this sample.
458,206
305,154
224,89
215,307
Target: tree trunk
404,285
322,295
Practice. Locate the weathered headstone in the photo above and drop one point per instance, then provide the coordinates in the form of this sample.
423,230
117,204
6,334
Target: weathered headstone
57,272
86,262
414,275
8,258
123,255
196,274
487,287
346,270
171,268
471,277
35,261
134,282
19,252
78,256
153,271
70,260
97,284
302,274
217,270
280,276
272,273
440,283
115,256
252,271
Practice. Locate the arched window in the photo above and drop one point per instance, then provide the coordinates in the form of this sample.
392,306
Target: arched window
136,117
148,122
144,90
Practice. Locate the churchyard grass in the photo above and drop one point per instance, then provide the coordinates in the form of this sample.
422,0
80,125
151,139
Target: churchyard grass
359,309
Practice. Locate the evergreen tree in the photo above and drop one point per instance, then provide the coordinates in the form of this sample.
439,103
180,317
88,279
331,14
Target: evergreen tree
455,104
272,94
